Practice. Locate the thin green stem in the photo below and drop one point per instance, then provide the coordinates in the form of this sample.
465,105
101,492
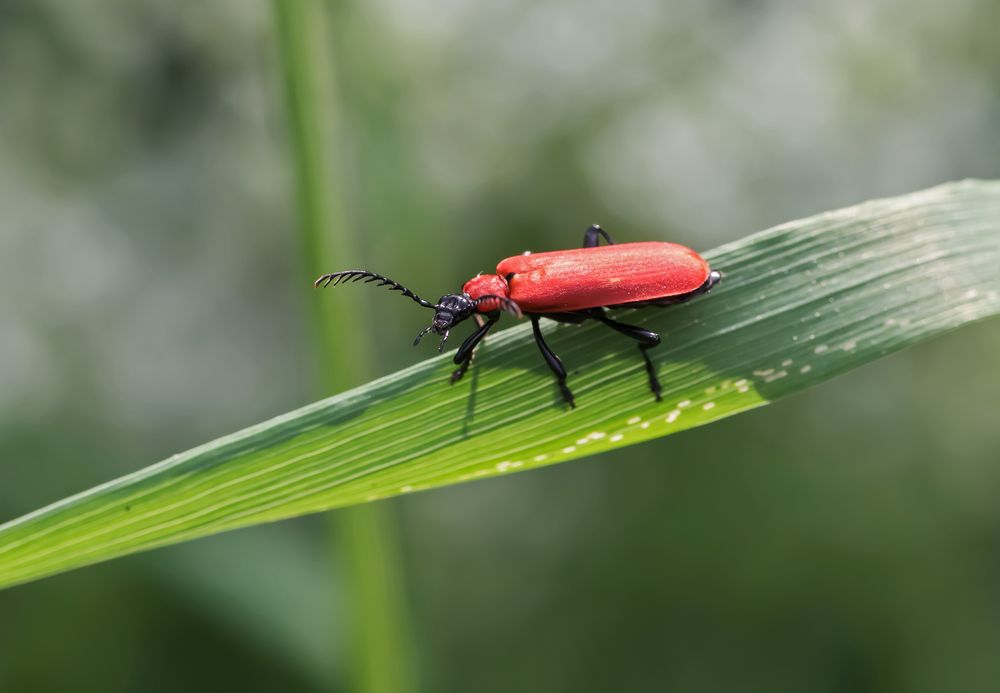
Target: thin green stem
381,660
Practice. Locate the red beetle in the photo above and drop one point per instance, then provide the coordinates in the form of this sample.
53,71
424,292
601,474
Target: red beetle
567,286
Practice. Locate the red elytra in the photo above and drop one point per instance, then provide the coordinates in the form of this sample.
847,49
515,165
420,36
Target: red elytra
582,278
566,286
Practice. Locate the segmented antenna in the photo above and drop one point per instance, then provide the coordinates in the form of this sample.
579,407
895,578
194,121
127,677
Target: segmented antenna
345,276
508,305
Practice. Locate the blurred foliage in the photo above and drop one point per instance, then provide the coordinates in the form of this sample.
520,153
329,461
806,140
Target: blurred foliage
150,300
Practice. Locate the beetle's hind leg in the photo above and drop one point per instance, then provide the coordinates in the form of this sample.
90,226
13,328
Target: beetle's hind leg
592,236
463,357
647,340
553,362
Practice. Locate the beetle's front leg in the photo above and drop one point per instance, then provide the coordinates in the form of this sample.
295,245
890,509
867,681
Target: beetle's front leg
592,236
463,357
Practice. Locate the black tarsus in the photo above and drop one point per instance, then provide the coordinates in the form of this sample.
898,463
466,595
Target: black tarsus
553,362
463,357
647,340
336,278
592,236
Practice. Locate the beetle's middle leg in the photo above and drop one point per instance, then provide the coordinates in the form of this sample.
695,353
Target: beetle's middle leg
553,362
592,236
647,340
463,357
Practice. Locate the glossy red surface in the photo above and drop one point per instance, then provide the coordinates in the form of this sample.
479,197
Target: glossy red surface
608,275
485,285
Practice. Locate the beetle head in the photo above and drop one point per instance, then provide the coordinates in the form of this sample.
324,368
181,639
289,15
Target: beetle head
449,311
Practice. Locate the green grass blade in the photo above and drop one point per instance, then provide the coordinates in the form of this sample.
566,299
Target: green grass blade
800,303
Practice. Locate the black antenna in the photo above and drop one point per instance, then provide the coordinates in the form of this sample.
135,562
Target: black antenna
335,278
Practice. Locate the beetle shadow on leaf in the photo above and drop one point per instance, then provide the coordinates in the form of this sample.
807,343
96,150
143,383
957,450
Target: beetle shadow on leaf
470,405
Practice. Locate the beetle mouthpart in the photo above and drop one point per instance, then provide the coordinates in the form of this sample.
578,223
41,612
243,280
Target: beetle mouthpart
422,333
444,338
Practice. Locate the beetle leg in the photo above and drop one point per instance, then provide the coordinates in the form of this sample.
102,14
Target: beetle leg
591,237
463,357
647,340
553,362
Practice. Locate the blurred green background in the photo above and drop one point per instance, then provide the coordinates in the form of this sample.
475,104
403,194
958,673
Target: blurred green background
152,298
